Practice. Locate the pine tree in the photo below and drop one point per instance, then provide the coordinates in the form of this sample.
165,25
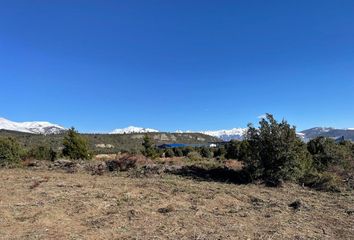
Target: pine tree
149,147
75,146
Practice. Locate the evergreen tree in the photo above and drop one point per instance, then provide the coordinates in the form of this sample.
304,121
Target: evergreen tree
149,147
75,146
274,153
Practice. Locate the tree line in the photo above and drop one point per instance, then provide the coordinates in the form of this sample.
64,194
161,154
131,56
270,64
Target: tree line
273,153
75,146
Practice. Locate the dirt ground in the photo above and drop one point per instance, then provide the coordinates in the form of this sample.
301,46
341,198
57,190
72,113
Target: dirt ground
43,204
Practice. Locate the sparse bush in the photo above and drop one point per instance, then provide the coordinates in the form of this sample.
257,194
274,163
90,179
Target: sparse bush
75,146
122,164
332,161
187,150
219,152
194,156
206,153
42,153
207,164
9,152
322,181
97,168
169,153
178,152
327,152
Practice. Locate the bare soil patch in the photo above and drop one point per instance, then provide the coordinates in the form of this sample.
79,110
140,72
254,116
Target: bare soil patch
43,204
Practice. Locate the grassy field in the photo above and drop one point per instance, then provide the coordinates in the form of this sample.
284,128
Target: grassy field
44,204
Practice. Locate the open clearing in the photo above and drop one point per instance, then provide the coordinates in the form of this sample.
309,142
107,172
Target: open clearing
43,204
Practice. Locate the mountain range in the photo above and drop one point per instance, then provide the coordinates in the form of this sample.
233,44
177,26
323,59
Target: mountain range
31,127
347,134
132,129
225,135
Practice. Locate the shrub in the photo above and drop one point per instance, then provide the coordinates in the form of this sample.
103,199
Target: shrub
187,150
169,153
322,181
75,146
206,153
332,160
9,152
220,152
326,152
178,152
122,164
42,153
194,156
274,153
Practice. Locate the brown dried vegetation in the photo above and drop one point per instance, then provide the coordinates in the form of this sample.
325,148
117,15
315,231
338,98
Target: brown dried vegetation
47,204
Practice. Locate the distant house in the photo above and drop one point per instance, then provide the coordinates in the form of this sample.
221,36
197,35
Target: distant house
218,144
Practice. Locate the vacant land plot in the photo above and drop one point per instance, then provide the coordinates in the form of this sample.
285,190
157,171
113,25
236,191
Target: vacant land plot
46,204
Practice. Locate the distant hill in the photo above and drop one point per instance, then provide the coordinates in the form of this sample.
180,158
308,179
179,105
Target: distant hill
131,135
110,143
306,135
311,133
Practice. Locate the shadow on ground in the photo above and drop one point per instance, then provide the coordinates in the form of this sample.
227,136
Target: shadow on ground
219,174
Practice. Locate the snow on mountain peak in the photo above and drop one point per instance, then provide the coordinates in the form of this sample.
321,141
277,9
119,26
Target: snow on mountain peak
323,129
227,135
31,127
132,129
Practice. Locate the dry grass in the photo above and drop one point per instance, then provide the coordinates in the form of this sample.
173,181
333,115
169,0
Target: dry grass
46,204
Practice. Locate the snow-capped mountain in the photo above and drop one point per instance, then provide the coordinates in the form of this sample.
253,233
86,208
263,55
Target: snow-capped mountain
227,135
306,135
132,129
334,133
31,127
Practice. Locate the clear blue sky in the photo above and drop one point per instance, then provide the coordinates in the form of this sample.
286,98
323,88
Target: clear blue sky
100,65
